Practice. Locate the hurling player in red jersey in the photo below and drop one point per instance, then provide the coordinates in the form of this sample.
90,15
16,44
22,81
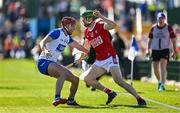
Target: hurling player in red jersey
96,34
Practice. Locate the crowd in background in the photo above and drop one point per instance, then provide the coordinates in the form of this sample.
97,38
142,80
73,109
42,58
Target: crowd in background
17,37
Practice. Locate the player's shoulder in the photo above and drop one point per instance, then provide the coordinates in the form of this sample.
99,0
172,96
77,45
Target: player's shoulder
169,26
55,33
99,21
154,25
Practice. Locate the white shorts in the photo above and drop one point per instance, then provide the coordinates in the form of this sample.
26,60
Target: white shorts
107,63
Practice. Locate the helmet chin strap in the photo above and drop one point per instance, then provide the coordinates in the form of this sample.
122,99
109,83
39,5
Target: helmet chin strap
67,31
89,23
86,25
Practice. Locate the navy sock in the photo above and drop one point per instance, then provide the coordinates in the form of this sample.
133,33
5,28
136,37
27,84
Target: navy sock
71,99
57,97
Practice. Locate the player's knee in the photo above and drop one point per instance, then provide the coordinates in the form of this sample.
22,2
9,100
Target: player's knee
119,81
156,71
163,71
87,80
76,80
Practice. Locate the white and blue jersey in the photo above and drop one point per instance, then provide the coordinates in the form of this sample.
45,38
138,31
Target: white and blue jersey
55,47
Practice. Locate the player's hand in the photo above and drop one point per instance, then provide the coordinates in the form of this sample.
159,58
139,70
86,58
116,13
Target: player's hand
78,61
47,53
148,54
97,13
174,55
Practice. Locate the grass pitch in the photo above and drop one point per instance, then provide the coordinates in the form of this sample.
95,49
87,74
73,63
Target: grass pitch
24,90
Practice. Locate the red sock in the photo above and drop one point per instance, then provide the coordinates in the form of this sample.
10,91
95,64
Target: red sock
106,90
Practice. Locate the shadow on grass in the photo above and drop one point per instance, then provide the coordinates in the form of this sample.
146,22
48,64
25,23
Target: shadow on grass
86,107
170,90
130,106
124,92
10,88
103,106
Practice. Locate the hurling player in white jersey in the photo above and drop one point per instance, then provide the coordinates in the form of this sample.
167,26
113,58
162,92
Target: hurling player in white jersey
52,45
159,45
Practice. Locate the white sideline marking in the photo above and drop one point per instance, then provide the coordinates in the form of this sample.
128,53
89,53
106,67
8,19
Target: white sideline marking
160,103
156,102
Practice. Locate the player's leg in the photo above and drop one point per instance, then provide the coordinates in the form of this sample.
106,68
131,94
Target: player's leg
163,76
163,66
73,88
98,78
117,77
156,55
57,71
156,67
92,73
91,79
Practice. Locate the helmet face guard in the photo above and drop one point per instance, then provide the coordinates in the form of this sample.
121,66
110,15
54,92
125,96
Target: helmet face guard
66,21
87,15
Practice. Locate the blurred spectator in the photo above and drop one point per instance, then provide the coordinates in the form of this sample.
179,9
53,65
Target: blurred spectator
98,4
152,11
21,24
144,10
2,34
11,12
43,20
129,24
75,8
120,47
62,8
8,46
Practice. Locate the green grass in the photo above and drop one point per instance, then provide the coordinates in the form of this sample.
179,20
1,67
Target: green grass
24,90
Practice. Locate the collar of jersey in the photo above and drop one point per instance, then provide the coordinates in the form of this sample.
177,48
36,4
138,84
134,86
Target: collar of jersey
161,27
93,26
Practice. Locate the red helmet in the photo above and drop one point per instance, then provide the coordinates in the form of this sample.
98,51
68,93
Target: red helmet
68,20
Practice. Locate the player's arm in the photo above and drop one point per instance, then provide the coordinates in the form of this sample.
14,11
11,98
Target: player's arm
173,40
109,24
149,45
174,43
150,41
87,47
43,43
75,44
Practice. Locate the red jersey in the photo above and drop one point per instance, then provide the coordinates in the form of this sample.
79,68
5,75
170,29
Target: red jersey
100,40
